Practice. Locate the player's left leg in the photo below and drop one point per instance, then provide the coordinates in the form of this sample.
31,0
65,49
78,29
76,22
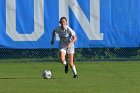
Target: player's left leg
72,65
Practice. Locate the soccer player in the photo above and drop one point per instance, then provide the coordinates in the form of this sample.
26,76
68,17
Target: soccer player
66,44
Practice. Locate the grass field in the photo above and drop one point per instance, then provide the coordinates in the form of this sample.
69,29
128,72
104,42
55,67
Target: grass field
94,77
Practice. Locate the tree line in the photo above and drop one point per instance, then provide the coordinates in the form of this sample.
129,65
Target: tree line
88,54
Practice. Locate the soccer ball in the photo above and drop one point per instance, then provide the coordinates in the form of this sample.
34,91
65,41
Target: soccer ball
47,74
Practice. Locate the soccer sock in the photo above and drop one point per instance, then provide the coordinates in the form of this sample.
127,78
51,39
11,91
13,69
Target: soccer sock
64,62
74,70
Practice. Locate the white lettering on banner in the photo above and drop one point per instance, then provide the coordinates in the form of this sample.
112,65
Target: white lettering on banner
92,28
11,21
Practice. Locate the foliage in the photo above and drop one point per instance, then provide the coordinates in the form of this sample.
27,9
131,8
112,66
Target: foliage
85,54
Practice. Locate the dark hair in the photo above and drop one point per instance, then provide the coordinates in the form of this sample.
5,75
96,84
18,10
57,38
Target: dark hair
63,18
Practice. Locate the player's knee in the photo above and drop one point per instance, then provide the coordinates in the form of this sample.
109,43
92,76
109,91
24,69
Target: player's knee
71,65
62,60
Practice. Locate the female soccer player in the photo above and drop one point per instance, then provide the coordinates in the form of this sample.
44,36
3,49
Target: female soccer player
66,44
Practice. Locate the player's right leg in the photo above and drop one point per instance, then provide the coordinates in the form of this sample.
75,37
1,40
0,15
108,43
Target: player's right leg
62,55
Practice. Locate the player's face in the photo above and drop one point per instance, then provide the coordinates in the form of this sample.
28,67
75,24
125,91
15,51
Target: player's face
63,22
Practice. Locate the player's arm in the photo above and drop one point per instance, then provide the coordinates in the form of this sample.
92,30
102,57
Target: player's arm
72,41
72,33
53,35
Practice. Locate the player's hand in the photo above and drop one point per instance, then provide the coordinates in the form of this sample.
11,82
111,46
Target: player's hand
68,46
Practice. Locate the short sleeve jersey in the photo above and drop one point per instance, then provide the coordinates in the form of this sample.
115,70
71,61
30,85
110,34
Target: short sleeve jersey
65,36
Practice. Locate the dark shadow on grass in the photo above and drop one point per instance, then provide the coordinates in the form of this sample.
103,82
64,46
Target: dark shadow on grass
8,78
16,78
61,78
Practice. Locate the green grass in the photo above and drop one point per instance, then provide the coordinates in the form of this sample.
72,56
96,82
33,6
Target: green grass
94,77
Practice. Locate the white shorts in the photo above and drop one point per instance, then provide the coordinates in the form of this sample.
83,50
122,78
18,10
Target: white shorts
68,51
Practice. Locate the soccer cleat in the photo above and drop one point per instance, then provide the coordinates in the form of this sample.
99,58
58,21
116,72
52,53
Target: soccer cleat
75,76
66,68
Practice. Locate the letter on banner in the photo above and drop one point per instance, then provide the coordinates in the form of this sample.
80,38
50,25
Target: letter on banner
38,21
92,28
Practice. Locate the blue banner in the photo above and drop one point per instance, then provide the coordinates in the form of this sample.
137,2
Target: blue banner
97,23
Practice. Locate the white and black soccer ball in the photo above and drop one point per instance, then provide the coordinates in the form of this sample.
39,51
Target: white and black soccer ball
47,74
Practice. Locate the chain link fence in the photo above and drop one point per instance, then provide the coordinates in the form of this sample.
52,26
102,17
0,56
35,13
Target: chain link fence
81,54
